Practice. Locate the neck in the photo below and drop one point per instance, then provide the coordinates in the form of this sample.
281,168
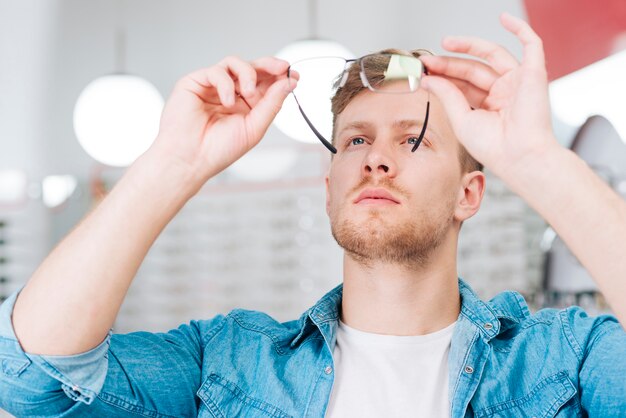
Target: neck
394,299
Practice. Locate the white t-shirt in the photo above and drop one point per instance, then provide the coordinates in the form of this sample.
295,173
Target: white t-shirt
390,376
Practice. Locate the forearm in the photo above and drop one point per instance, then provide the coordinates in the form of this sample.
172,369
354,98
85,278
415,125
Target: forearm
586,213
73,298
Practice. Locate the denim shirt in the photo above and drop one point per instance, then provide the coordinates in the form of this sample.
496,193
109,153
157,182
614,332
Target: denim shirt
503,362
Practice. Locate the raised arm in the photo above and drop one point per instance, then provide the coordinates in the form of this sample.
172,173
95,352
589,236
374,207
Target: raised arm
500,112
72,300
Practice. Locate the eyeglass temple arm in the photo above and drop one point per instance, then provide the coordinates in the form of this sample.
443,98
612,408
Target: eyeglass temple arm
327,144
421,137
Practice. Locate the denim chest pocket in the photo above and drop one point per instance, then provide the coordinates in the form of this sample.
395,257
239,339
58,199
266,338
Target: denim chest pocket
14,362
224,399
545,400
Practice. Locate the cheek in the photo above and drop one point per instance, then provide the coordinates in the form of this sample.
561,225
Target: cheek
450,194
334,198
339,197
437,187
340,176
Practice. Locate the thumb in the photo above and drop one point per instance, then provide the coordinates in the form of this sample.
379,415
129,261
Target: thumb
452,99
268,107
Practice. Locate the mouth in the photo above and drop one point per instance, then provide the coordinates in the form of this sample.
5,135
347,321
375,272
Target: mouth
376,196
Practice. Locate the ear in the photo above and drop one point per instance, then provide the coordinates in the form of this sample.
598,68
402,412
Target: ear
470,195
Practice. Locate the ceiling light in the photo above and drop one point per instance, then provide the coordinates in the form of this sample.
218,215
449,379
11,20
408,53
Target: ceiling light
116,118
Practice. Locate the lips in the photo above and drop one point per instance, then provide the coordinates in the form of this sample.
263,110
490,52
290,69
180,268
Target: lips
376,194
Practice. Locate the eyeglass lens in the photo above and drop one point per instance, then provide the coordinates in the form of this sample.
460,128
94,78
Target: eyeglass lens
309,108
392,73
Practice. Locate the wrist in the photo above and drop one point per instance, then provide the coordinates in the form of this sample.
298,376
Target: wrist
534,165
170,178
544,178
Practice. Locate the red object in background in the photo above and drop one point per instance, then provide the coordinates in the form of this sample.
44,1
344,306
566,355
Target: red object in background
577,33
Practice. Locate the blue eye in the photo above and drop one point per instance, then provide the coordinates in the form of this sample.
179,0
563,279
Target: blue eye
357,141
412,140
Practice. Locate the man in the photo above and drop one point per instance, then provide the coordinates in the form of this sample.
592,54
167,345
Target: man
404,336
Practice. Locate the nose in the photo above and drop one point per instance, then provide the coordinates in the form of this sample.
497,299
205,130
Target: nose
379,162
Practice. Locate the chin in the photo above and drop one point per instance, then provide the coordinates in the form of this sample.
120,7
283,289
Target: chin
375,236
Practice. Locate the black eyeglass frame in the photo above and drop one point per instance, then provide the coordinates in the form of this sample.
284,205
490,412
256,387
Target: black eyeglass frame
366,84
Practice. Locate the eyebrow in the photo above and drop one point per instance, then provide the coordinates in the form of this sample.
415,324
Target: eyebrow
397,124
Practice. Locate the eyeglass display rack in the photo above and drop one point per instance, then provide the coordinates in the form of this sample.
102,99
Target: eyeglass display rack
267,250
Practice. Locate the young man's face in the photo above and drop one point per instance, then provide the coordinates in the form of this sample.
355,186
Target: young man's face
384,201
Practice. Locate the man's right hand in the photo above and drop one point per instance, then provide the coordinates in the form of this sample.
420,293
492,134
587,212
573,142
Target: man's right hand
215,115
71,301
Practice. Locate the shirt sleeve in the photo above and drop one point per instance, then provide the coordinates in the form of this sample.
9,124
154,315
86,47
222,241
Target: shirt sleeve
600,342
154,374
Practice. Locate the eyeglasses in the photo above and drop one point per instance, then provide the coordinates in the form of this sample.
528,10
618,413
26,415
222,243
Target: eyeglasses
320,79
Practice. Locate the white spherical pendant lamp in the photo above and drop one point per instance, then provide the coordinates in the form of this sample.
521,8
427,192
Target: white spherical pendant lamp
116,118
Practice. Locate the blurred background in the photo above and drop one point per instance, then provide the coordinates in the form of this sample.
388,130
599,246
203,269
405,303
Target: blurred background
257,236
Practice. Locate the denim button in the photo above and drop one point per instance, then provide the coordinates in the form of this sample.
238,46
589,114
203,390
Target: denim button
328,370
469,369
488,325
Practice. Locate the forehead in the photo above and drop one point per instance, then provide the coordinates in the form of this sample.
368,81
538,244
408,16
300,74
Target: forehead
393,111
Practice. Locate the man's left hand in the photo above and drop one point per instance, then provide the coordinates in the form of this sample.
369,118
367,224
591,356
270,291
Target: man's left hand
499,108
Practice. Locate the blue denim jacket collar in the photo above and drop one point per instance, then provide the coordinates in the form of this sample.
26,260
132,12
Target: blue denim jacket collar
478,323
485,316
322,317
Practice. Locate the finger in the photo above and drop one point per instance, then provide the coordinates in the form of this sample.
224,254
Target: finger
497,56
244,73
270,70
264,111
452,99
477,73
271,65
533,45
475,96
201,82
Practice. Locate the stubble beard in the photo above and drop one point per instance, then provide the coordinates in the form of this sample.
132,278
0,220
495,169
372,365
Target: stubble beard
376,239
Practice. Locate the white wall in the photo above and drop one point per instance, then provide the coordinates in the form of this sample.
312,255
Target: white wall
26,46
